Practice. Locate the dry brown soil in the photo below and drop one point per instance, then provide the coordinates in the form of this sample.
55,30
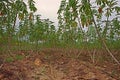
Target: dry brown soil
59,64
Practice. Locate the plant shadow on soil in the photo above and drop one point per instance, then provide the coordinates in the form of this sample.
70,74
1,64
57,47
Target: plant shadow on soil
60,64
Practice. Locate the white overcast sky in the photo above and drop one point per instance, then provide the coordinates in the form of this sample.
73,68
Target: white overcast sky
48,9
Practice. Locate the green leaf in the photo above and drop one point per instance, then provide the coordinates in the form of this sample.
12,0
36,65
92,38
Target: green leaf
74,24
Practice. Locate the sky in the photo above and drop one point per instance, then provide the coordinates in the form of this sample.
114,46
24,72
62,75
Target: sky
48,9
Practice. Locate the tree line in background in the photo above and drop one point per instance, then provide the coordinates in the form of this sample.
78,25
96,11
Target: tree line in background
73,15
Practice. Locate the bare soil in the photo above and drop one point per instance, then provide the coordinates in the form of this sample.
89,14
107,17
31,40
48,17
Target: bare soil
61,64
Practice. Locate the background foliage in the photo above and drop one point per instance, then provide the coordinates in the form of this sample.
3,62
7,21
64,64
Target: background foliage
21,29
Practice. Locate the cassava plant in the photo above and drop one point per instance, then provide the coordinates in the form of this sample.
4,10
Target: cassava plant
10,12
87,13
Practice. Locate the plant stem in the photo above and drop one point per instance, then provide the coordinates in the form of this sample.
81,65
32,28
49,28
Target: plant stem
101,39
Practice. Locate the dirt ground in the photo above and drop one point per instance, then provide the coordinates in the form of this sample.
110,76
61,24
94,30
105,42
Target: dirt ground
60,64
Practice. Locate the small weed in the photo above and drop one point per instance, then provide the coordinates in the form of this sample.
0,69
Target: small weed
9,59
19,57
